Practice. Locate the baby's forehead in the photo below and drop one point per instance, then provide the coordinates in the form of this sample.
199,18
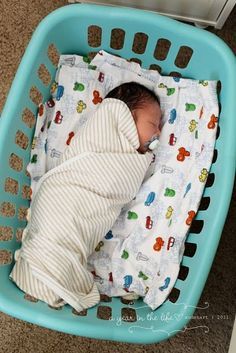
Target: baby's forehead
153,108
148,109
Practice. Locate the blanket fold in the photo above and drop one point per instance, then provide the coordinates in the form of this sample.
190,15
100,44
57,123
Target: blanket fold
76,204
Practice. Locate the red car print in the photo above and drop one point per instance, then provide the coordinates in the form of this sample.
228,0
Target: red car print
149,222
159,243
182,154
191,215
50,103
96,97
172,139
58,117
212,122
110,277
101,77
96,277
70,136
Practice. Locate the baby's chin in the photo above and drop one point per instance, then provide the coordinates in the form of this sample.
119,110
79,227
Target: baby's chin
142,149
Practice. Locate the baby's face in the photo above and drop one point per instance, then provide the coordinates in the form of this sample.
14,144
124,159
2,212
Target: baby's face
148,119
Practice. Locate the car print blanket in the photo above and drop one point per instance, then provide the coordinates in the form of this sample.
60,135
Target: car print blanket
142,251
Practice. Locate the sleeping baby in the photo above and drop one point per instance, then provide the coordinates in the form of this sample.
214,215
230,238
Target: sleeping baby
77,202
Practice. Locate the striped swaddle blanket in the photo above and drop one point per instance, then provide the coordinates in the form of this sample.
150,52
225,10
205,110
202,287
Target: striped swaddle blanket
76,204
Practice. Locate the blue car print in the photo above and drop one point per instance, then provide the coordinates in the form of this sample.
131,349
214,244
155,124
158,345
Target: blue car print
150,198
172,117
128,280
167,282
176,79
60,91
109,235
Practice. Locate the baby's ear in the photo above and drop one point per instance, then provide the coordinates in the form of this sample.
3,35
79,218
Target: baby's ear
134,115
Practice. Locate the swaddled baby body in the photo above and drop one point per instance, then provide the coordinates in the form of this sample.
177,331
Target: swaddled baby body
77,202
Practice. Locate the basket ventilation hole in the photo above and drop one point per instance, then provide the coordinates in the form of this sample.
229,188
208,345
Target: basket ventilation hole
11,186
5,257
128,315
140,43
21,140
183,272
22,213
218,87
204,204
117,38
155,67
19,233
175,74
30,298
174,295
6,233
104,312
105,298
135,60
190,249
210,180
16,162
215,156
94,36
196,226
28,118
127,301
26,192
80,313
35,95
91,55
7,209
44,75
53,54
183,57
218,132
162,48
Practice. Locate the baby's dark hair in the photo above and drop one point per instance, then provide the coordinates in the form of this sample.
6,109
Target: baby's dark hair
133,94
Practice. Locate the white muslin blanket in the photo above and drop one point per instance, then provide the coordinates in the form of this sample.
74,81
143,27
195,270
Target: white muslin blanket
142,251
75,204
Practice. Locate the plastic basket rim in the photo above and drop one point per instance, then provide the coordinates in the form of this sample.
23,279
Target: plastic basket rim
56,15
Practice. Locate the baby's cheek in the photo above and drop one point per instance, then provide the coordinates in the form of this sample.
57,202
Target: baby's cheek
140,133
143,140
144,134
149,134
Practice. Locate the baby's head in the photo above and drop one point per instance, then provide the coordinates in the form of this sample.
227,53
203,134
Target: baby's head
145,109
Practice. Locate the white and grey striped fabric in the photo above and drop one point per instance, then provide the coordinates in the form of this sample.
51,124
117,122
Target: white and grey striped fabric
76,204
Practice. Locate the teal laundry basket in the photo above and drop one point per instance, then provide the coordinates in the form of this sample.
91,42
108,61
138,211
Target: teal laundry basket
157,42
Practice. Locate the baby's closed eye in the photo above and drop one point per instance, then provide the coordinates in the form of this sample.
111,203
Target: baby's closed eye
153,124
